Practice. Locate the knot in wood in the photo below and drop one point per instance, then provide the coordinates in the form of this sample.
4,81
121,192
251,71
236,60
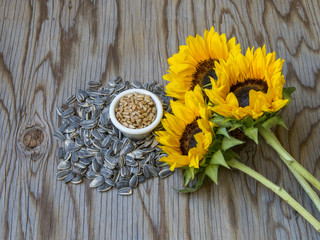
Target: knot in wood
33,137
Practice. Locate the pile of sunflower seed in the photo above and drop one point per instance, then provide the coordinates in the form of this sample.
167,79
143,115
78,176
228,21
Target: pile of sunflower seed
95,149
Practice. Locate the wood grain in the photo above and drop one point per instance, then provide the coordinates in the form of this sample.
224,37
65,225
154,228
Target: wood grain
49,49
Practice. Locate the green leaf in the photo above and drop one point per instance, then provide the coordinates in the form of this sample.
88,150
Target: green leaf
221,121
273,121
286,93
248,122
230,142
235,126
251,133
194,187
216,144
282,123
223,131
212,172
288,90
229,154
218,158
260,120
188,175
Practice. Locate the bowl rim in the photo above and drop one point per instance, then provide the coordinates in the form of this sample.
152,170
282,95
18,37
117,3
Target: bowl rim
139,131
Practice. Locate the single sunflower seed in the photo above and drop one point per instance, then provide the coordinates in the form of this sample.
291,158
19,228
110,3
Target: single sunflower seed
125,191
98,181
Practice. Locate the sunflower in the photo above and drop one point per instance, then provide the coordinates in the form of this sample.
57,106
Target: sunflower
188,133
248,85
194,63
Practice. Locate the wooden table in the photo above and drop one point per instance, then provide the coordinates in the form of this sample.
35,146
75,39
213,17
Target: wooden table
50,49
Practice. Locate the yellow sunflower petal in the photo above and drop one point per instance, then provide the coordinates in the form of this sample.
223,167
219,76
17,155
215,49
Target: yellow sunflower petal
168,139
197,47
203,122
224,110
194,158
277,105
177,126
182,69
233,48
172,90
176,161
232,100
170,150
182,112
204,140
241,113
217,94
193,99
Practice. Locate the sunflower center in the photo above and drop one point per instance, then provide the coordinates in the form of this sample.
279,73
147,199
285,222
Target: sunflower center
241,90
187,140
204,70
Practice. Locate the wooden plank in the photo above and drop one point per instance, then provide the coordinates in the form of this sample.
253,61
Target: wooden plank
49,49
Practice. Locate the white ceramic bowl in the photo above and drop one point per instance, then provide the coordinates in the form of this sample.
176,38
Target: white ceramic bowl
136,133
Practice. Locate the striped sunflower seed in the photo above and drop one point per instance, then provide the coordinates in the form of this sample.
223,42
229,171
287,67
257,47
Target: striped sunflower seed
133,181
69,177
94,84
62,174
58,135
77,179
125,191
68,112
71,99
98,181
64,165
104,187
165,173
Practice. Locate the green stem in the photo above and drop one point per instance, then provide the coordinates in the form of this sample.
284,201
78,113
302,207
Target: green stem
207,85
305,185
277,190
272,140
